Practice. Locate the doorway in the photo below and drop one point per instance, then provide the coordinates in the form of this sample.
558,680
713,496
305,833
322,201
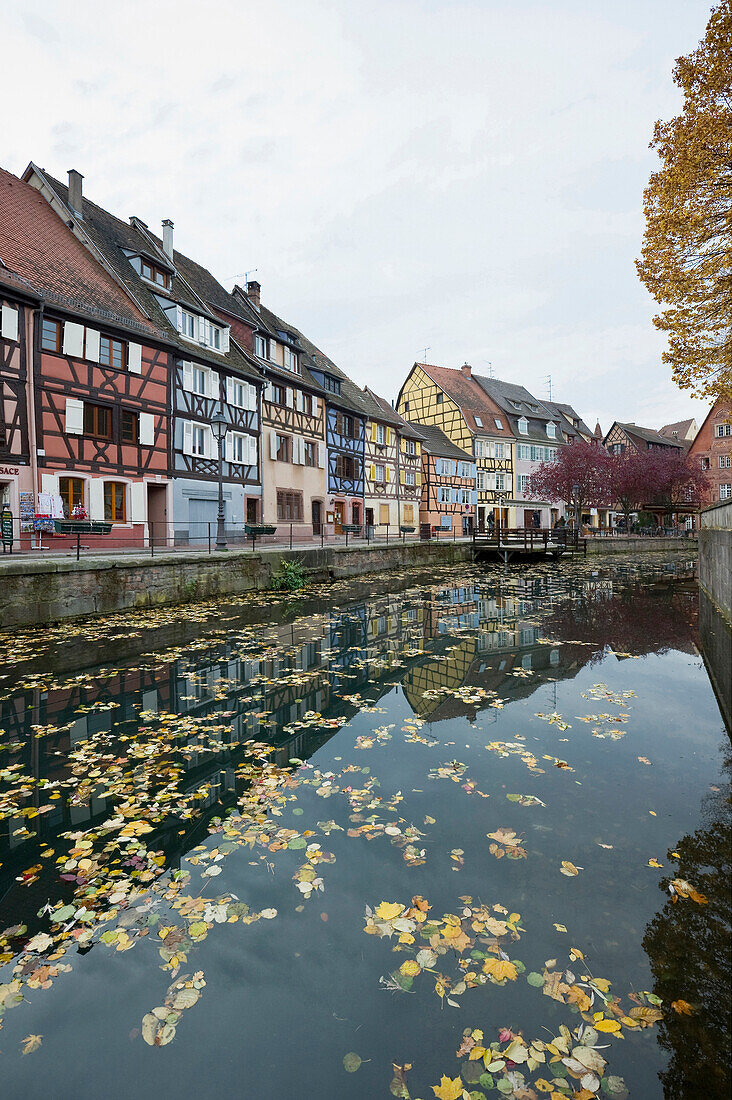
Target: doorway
317,512
356,513
338,508
157,513
252,510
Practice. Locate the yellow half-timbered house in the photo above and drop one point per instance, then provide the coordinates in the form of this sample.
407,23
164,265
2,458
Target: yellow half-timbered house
392,467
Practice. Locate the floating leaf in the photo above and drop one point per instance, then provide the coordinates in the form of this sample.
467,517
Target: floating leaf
449,1088
31,1043
351,1061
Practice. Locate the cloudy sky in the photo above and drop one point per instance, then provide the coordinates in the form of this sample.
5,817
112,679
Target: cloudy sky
463,176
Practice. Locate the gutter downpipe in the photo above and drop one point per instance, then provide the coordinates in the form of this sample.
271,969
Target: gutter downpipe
31,392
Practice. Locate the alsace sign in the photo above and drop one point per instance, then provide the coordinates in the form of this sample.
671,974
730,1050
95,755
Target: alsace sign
9,470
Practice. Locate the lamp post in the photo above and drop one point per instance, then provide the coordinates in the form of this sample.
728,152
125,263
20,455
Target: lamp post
575,496
219,427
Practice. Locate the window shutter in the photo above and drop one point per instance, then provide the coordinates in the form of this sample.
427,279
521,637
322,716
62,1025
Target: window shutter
73,339
372,472
417,447
418,478
288,397
74,416
252,394
96,499
187,437
225,340
273,445
49,484
401,477
92,345
214,388
268,391
252,450
229,389
134,358
229,445
211,447
473,496
9,328
147,430
188,377
137,502
201,326
387,474
321,456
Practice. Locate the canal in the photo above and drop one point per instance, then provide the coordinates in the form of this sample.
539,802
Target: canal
464,834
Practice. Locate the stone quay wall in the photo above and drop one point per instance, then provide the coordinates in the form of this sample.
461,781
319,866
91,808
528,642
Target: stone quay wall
715,555
619,544
34,592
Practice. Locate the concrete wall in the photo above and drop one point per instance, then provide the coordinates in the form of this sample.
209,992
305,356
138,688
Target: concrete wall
600,545
715,555
36,592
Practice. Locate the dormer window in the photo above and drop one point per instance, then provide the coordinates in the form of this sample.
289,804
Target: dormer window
155,274
202,330
290,360
188,325
551,430
523,426
479,422
260,347
498,423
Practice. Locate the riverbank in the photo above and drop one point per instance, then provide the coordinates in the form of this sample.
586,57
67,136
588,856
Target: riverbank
715,556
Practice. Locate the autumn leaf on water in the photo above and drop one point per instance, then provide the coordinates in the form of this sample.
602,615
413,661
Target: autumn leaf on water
683,1008
449,1088
387,910
568,869
31,1043
500,969
351,1061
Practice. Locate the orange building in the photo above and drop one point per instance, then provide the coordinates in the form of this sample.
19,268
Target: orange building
713,449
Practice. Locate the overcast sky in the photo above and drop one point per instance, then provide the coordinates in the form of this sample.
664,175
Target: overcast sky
463,176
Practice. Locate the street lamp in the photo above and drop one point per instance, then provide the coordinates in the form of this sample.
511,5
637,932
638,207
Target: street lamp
575,496
219,427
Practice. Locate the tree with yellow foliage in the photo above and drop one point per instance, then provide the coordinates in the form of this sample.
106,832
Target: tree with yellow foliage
686,260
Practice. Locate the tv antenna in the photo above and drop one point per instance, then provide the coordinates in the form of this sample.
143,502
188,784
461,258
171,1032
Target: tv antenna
242,275
548,381
424,352
490,368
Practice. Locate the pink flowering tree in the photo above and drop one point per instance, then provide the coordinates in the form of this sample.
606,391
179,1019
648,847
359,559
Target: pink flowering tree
630,477
674,482
579,476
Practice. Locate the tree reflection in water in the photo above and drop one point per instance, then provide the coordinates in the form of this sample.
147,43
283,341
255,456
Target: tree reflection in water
688,946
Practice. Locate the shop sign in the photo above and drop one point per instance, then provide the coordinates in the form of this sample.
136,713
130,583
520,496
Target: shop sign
9,470
6,527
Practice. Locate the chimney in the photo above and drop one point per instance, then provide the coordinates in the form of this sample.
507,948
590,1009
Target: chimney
75,179
254,291
168,238
467,369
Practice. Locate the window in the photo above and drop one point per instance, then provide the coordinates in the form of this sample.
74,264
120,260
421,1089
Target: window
212,336
379,473
311,453
523,482
500,481
290,359
330,383
479,422
480,480
346,466
410,447
465,496
551,431
409,514
198,440
130,429
278,394
443,494
523,426
409,478
384,514
115,509
617,448
97,421
380,434
237,447
260,347
71,491
406,406
722,430
498,423
282,452
199,381
188,324
155,274
725,491
725,461
51,335
238,394
524,451
111,352
705,463
347,426
439,398
289,506
500,449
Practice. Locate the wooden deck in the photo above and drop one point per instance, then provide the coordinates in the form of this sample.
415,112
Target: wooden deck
507,543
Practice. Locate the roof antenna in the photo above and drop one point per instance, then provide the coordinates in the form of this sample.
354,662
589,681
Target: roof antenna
424,352
242,275
490,368
548,381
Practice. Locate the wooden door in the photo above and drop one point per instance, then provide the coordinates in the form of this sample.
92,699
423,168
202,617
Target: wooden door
317,517
338,510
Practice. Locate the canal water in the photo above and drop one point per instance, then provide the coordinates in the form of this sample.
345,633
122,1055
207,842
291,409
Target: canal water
464,834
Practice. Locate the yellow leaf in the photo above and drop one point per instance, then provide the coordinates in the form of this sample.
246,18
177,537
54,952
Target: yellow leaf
575,953
500,969
410,968
449,1088
568,868
683,1008
602,984
31,1043
607,1025
476,1053
560,927
388,910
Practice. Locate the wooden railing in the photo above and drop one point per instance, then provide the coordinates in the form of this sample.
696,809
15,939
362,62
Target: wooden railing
530,538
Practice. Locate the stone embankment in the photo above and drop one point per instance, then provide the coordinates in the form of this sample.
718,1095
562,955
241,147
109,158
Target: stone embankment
715,555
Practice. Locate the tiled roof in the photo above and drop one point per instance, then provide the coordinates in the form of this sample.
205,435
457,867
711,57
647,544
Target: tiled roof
380,409
648,435
112,236
571,415
516,402
435,442
470,397
679,429
37,246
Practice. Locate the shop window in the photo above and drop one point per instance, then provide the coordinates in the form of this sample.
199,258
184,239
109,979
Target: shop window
52,335
71,491
289,506
97,421
115,509
112,352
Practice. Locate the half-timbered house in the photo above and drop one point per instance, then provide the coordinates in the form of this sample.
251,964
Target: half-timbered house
448,493
18,303
97,376
453,401
209,370
392,466
626,438
294,461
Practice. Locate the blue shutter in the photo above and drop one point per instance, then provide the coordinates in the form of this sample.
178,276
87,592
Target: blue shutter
474,497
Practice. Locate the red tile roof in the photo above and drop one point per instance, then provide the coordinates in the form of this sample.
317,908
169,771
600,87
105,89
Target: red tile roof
36,245
472,399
